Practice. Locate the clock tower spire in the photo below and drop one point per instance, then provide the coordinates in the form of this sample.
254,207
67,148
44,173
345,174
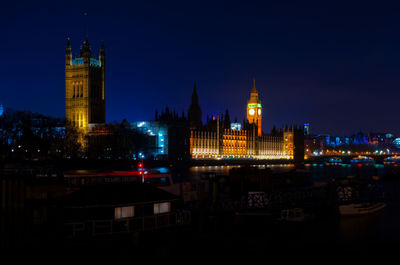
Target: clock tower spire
254,109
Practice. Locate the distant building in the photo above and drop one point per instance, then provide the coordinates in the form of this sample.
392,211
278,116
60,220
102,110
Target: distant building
396,142
159,133
178,134
306,129
360,142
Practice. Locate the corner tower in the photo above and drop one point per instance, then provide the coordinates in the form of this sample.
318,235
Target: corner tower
84,87
254,109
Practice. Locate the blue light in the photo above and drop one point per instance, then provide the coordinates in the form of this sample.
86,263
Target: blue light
396,142
95,62
236,126
79,61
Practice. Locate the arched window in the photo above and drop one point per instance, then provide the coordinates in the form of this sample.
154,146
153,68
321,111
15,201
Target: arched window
73,87
81,90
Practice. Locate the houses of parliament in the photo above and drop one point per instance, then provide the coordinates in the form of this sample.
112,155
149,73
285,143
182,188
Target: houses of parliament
218,138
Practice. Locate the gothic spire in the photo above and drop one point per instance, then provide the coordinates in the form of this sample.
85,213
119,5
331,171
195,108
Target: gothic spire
85,49
195,97
68,43
254,90
68,53
194,113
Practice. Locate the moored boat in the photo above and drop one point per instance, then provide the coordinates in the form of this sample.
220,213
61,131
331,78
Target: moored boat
358,209
392,160
362,160
295,215
334,161
292,215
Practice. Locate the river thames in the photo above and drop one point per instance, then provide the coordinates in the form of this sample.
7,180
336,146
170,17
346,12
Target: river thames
220,238
360,237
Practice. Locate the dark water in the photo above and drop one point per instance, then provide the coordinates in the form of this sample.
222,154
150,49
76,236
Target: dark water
321,172
363,236
376,235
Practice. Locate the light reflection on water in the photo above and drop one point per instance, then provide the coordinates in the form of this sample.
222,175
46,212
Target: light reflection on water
196,171
322,172
319,172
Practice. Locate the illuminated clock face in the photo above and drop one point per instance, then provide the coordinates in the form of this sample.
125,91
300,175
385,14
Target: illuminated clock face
259,111
251,111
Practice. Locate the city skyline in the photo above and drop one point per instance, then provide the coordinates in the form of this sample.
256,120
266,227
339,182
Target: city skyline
153,64
216,130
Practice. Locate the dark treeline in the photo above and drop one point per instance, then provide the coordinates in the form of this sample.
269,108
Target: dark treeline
121,141
32,136
27,135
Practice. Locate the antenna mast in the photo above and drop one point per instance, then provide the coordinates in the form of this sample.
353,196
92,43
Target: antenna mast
85,24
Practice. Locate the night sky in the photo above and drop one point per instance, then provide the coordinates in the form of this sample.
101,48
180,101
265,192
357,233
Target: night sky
330,63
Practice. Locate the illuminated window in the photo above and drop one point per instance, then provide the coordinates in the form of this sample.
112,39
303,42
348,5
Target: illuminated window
124,212
164,207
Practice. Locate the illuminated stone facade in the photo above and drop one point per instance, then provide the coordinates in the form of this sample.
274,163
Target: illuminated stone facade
204,144
84,87
234,143
271,147
288,143
239,144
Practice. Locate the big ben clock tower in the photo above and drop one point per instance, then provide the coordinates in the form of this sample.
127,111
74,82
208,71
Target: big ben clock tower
254,109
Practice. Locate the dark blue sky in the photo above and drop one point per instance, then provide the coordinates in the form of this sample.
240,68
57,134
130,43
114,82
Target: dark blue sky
331,63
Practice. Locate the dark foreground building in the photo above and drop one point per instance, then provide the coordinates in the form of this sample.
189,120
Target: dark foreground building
117,209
